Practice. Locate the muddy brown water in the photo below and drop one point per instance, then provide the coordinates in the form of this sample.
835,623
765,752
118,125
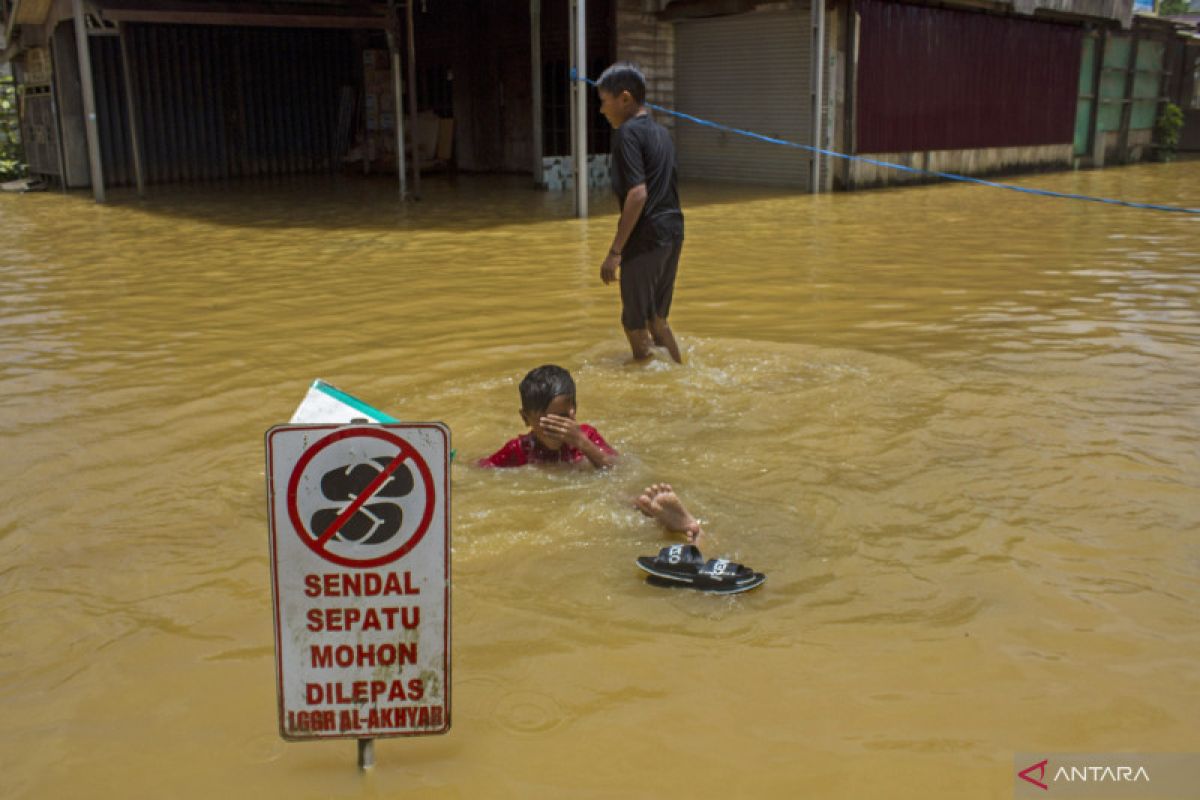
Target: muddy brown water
957,427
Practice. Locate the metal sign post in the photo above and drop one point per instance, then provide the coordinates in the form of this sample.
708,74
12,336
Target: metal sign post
579,118
132,110
414,130
535,58
818,11
397,94
360,578
89,102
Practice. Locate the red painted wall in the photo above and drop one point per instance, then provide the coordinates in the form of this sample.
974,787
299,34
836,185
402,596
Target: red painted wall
940,79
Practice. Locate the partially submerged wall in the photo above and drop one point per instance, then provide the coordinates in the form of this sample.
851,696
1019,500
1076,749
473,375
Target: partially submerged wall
960,162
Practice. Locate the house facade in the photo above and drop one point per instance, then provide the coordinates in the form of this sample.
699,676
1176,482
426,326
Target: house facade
154,91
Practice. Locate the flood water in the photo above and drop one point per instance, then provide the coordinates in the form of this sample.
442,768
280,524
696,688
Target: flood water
958,428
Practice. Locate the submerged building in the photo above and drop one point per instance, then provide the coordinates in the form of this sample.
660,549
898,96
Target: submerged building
964,87
125,92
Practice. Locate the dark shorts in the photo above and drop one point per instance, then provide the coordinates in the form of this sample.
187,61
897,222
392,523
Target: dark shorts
647,284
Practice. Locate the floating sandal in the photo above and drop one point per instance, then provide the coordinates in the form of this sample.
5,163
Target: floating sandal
683,565
679,562
754,582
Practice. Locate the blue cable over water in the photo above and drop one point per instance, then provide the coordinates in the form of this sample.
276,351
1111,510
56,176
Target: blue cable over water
950,176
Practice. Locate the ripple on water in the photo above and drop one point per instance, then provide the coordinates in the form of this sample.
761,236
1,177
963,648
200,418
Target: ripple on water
529,712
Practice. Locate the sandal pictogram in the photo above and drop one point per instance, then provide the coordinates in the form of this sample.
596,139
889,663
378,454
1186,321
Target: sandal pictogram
375,522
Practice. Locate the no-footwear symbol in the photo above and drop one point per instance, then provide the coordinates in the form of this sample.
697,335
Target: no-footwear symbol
361,519
373,522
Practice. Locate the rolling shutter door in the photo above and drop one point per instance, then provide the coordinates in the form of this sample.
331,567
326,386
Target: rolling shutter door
749,71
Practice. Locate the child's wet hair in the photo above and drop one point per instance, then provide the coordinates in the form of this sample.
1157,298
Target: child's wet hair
542,385
623,76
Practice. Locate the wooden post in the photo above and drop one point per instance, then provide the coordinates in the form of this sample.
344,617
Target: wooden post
134,112
89,101
535,57
412,99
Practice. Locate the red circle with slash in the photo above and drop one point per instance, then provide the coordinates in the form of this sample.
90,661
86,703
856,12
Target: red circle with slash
317,542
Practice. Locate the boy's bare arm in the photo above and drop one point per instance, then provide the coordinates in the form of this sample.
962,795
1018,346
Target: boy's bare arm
573,435
631,211
595,454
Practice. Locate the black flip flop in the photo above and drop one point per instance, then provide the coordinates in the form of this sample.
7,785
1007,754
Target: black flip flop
758,579
678,562
722,571
683,565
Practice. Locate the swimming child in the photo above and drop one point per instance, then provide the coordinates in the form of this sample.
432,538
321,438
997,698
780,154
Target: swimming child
548,408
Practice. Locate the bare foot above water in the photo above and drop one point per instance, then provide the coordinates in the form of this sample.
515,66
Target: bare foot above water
659,502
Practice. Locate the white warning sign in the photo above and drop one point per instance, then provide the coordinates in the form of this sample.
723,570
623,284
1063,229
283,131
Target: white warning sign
360,568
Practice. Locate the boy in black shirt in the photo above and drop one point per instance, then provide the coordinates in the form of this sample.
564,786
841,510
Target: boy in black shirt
649,234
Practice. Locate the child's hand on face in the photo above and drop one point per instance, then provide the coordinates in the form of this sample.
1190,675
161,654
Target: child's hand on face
565,429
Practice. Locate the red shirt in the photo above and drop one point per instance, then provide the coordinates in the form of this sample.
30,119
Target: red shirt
526,449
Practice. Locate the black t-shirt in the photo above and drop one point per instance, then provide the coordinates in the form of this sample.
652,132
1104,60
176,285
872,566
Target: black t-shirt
642,152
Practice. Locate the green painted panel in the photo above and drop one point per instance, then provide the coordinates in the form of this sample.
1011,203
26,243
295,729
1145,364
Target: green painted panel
1143,114
1087,85
1083,119
1087,66
1150,55
1112,83
1109,118
1116,52
1147,82
1145,85
1112,89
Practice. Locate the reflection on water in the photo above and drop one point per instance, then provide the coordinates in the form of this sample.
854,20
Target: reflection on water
957,427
